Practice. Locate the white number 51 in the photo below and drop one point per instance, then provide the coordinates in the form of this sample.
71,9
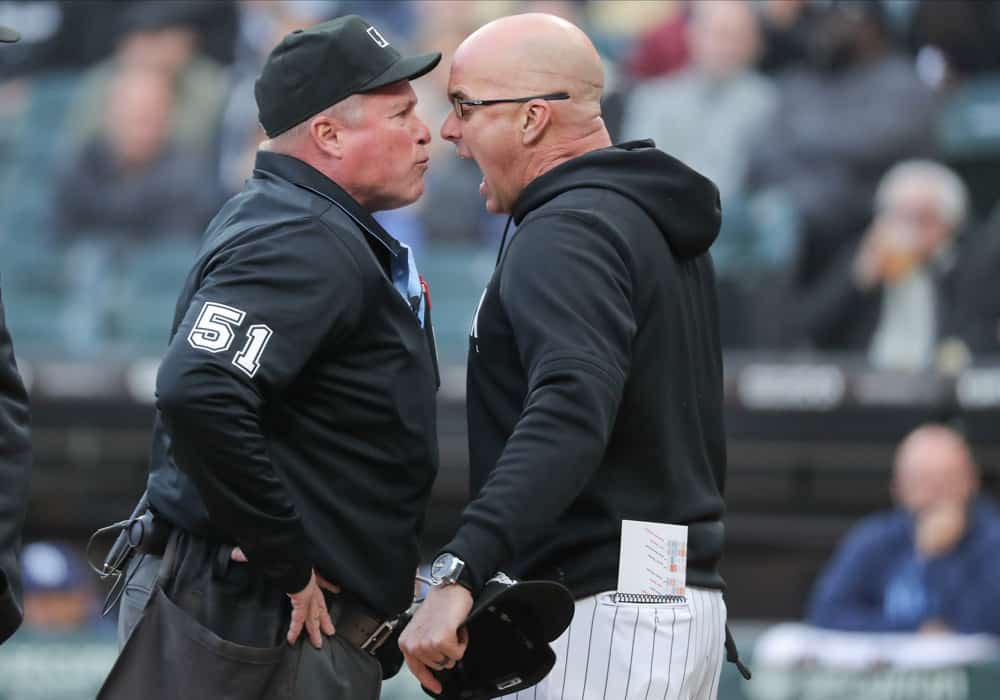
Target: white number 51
213,331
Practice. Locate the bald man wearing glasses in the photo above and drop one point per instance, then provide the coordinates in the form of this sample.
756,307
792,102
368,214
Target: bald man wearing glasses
594,378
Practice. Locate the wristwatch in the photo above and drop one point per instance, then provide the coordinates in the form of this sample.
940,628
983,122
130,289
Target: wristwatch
446,569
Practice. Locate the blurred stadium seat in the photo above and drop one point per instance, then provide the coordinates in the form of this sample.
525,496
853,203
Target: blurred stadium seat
155,276
969,138
457,276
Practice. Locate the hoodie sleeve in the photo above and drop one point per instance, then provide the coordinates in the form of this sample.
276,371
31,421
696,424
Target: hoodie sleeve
258,317
566,289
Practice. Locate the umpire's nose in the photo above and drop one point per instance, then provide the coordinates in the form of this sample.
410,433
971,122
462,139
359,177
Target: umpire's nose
423,133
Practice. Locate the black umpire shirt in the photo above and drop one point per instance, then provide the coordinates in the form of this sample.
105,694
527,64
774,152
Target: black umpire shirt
296,402
15,463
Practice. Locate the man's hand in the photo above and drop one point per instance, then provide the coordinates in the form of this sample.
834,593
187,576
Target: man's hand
308,607
940,527
889,251
935,627
435,638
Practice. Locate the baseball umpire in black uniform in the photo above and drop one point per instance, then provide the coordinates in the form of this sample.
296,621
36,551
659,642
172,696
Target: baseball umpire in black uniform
15,465
295,441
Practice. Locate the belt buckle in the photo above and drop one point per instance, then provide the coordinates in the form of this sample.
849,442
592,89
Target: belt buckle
378,637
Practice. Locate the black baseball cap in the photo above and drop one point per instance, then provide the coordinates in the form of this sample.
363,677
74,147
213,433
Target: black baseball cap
8,35
311,69
510,628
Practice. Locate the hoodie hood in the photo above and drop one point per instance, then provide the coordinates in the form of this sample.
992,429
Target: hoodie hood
683,203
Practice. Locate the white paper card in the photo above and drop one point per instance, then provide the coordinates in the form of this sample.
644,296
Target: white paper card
653,558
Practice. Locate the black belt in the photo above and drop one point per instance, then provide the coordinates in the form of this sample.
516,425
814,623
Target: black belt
355,624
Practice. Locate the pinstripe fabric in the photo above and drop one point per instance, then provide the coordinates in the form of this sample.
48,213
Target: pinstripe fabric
629,651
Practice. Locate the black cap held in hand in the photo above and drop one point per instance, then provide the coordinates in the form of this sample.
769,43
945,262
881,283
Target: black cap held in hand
311,69
8,35
511,626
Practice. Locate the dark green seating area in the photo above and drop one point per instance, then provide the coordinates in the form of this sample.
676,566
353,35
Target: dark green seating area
36,266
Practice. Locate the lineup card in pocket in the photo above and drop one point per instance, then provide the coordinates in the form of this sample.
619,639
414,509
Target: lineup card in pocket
653,558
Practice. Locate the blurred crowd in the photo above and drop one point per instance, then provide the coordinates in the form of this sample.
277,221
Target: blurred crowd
855,144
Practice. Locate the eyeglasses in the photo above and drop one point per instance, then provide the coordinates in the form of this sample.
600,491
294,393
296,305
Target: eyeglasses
459,104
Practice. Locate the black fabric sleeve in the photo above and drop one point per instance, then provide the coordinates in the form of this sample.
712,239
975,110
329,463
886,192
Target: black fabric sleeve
15,469
292,290
566,288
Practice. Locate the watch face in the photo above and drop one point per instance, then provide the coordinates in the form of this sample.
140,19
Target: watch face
441,566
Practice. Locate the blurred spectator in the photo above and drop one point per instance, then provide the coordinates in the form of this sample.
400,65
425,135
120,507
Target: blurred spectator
709,113
160,36
660,50
58,595
931,565
785,29
56,35
841,121
65,648
903,294
956,39
124,190
72,35
132,182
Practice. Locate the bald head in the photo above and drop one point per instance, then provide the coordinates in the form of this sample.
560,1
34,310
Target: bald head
539,80
534,53
934,465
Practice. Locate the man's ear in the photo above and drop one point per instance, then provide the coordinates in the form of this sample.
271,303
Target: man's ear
328,135
536,120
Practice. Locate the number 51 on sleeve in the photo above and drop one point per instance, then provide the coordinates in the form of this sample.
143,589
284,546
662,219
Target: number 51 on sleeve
215,329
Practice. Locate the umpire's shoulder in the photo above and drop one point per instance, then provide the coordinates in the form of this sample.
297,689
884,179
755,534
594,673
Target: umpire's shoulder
275,213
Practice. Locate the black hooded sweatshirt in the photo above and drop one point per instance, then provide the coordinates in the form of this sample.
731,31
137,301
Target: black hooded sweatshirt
595,375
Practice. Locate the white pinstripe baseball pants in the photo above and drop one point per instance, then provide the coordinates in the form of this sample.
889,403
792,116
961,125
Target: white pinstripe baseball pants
638,651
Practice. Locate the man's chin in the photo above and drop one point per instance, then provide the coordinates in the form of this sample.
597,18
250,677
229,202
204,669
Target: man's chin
401,201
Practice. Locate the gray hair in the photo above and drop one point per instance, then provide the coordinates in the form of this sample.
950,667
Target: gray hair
952,195
350,111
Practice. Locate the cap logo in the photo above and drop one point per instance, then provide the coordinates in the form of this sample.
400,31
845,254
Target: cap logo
377,37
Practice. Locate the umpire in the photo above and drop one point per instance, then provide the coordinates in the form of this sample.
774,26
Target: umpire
295,441
15,465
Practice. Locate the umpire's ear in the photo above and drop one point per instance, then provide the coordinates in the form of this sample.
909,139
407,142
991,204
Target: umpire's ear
329,134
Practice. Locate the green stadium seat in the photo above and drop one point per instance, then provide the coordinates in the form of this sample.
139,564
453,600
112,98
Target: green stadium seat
456,275
969,139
